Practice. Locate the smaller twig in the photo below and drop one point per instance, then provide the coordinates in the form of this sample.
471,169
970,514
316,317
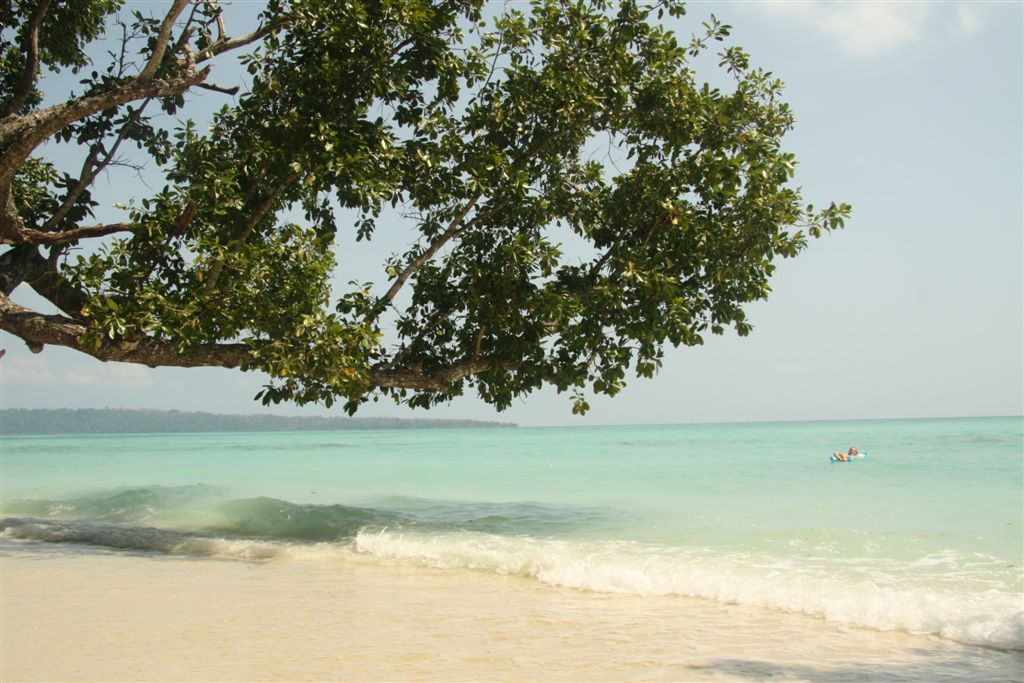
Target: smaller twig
427,326
91,168
230,44
31,49
124,49
258,215
453,229
478,341
221,33
218,88
184,218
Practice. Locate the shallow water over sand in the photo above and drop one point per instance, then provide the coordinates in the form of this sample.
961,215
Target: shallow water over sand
923,537
83,613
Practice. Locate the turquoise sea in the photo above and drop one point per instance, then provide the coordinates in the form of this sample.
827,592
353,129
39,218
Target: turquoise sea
924,536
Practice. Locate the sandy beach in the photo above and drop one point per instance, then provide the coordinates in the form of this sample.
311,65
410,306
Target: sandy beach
81,613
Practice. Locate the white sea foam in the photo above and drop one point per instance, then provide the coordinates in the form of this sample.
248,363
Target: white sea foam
945,594
885,599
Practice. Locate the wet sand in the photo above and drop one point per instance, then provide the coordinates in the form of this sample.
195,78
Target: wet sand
80,613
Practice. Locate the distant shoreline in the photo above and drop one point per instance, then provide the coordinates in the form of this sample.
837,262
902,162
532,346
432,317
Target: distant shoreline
67,421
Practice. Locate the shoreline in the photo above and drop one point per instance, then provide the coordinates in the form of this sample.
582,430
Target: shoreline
84,613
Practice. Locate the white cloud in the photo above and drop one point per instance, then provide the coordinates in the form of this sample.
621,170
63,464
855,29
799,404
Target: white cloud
112,375
25,369
872,27
968,19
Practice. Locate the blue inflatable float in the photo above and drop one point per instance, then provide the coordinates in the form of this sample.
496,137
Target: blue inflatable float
863,455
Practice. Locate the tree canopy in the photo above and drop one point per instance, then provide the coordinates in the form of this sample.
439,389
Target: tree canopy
490,133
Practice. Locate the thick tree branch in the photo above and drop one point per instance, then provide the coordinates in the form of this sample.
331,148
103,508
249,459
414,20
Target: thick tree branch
478,340
24,263
68,236
25,133
162,39
51,286
437,379
184,219
18,264
11,224
31,49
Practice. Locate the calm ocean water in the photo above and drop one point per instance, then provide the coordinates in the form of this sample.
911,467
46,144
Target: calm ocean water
924,536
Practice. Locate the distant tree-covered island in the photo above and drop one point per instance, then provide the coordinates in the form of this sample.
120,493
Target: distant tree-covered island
127,421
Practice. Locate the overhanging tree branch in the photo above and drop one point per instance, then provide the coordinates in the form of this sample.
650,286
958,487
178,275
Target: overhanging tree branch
38,329
438,380
456,226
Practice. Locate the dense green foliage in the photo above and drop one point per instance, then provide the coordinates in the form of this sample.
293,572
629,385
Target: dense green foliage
489,133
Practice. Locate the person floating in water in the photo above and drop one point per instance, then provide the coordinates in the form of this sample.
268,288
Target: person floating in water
848,455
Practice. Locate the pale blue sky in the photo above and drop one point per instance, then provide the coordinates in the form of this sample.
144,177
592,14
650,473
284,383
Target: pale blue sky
912,112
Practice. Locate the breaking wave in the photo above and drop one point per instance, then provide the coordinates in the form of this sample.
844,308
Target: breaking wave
971,599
